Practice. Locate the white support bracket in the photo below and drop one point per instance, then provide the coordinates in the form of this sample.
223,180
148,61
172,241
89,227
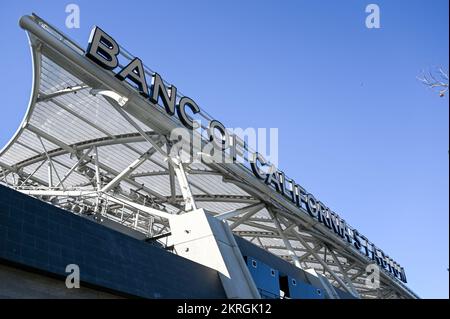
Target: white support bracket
202,238
71,89
189,202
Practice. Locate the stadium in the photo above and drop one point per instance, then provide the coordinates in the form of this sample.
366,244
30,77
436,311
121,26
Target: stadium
88,179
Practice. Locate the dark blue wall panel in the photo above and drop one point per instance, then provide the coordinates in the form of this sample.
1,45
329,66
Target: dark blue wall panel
304,288
284,267
47,238
266,278
301,290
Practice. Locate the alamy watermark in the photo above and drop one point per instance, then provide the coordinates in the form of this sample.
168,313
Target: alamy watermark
373,19
218,144
372,280
73,278
73,17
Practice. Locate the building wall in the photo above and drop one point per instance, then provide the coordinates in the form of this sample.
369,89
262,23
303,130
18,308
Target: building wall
256,252
46,238
265,277
302,285
18,283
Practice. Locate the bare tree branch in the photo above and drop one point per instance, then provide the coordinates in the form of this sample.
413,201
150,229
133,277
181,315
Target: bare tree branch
438,80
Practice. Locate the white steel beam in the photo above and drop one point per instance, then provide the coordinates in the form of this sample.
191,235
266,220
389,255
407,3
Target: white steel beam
316,249
71,89
359,273
344,274
245,218
50,174
171,172
50,138
323,263
97,170
128,118
51,166
286,242
124,174
189,171
34,171
143,208
189,202
233,213
74,166
71,193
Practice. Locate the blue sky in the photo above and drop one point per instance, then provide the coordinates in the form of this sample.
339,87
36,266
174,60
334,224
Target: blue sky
356,128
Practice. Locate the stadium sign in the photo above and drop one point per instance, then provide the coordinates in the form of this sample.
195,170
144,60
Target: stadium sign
104,51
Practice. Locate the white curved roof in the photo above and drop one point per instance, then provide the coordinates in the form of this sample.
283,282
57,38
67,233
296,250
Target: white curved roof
71,143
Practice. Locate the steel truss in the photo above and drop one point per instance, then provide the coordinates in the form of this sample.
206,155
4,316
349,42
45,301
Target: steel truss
124,172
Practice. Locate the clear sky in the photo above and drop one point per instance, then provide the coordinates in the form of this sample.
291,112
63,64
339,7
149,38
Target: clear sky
356,127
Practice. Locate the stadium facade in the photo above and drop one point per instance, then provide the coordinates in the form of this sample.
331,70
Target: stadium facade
88,179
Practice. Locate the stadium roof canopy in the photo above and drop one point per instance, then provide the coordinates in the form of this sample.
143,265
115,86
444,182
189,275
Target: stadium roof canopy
77,150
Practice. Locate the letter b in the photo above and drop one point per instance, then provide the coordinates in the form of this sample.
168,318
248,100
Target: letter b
102,49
